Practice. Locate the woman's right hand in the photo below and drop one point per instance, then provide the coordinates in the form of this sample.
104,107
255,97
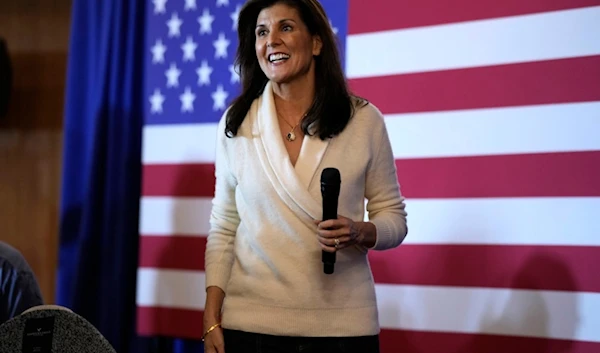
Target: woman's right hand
214,341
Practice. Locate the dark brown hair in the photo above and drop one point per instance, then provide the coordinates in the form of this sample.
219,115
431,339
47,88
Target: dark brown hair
333,105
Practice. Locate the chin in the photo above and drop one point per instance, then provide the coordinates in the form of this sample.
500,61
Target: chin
279,79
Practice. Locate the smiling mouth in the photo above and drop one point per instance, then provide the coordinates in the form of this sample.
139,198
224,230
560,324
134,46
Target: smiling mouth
278,57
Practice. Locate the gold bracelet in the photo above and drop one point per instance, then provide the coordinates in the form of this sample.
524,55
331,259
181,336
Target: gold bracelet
210,329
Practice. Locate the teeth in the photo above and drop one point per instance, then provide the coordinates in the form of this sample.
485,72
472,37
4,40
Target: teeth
279,56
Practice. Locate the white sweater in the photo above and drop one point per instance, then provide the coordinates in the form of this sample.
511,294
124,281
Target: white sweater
262,247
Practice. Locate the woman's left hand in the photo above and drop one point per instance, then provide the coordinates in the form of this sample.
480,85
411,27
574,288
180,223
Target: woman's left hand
340,233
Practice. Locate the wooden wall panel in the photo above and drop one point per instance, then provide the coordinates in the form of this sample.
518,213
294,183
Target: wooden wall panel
37,35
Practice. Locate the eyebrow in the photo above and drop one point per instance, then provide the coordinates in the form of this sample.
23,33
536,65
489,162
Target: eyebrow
280,21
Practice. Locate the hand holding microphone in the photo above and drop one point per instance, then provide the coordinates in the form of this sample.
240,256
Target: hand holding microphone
337,232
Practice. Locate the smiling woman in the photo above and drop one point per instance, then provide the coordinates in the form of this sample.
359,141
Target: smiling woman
266,288
285,50
322,99
284,47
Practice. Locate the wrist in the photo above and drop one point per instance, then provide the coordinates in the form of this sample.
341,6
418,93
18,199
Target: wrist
211,318
368,234
210,329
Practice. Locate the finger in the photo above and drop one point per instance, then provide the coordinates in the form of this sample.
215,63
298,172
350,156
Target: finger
221,348
332,224
214,348
344,241
210,347
330,242
219,342
336,233
328,248
326,241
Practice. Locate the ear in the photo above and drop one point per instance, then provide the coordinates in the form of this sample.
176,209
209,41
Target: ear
317,45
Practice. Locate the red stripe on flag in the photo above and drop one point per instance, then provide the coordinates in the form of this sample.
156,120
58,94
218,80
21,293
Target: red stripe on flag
499,266
178,180
154,321
541,82
172,252
564,268
171,322
517,175
392,341
380,15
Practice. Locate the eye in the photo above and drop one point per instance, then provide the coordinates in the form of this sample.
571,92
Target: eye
260,32
287,28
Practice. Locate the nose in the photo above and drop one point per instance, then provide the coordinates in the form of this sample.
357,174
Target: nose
273,39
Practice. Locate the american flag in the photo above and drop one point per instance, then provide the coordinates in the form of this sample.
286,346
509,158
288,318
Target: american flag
493,109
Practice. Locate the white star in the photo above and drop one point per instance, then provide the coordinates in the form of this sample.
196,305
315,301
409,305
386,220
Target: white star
173,76
187,100
158,52
156,100
334,29
219,96
204,72
190,5
159,6
235,16
174,25
221,45
222,3
234,75
206,21
189,49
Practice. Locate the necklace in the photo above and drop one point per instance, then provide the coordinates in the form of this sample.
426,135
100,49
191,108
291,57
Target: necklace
291,136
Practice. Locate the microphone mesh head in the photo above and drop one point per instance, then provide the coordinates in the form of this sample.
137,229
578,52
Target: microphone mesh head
330,176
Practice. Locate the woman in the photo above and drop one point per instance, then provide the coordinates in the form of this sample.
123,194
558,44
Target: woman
266,290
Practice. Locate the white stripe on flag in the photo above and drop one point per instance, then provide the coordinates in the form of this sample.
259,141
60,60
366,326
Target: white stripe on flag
528,129
537,313
550,35
179,143
540,313
567,221
170,288
513,130
175,216
519,221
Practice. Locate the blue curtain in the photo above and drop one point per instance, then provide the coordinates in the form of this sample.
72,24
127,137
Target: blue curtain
98,250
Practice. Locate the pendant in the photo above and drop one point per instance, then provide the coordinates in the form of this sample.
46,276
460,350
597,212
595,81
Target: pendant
291,136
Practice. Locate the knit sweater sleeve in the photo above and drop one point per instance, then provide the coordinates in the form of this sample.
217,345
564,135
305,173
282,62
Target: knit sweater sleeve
224,217
385,203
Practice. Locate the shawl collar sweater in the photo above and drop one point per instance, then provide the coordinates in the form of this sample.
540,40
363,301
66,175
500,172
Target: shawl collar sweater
262,247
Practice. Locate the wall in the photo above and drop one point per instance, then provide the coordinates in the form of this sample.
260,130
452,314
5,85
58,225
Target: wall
37,33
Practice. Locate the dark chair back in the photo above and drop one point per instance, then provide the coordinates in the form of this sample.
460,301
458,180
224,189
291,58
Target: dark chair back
51,329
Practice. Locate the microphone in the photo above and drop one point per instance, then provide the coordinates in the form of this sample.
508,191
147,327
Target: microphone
330,191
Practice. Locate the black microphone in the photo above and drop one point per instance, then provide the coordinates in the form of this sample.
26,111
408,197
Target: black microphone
330,191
